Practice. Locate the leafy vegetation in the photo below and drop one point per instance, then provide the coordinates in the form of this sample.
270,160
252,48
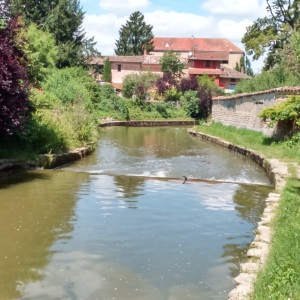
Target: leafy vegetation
287,115
63,19
271,33
280,76
171,63
107,71
135,36
14,79
138,85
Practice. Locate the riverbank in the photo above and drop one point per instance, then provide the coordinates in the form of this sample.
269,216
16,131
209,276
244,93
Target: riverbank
272,265
47,161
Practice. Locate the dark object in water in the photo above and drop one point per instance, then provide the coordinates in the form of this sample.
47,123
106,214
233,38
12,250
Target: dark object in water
185,179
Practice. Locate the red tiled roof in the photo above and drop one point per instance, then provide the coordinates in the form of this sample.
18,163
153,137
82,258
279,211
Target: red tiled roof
196,71
151,60
210,55
187,44
131,58
230,73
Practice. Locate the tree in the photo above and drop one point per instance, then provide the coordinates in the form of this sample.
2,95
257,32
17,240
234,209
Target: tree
269,34
244,66
171,63
135,36
138,85
62,18
107,71
41,51
13,76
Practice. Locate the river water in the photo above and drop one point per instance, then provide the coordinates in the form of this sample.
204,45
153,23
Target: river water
120,224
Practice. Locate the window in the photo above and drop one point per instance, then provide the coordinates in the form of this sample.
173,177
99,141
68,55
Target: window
207,64
233,80
119,68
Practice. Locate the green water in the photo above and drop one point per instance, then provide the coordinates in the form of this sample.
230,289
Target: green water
121,225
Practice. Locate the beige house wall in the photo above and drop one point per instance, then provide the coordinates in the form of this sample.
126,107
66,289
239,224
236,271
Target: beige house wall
242,110
234,58
126,69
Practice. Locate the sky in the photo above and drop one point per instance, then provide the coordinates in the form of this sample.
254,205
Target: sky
173,18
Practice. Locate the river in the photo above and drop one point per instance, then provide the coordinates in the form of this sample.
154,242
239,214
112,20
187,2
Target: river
120,224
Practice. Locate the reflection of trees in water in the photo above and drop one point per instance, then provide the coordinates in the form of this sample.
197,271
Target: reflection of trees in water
129,188
250,202
234,254
35,212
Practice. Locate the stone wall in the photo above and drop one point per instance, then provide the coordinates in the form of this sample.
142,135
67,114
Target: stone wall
242,110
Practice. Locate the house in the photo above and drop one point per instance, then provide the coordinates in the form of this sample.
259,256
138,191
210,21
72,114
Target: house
215,57
188,46
122,66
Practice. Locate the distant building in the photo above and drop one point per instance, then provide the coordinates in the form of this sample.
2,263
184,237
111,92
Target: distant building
215,57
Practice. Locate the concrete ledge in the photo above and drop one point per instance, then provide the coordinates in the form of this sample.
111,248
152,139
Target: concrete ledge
9,164
148,123
47,161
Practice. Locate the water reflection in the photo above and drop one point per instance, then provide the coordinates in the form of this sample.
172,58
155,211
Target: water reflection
36,210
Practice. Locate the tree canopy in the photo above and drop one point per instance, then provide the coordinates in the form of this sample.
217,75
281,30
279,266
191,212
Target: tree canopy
135,36
269,34
170,63
62,18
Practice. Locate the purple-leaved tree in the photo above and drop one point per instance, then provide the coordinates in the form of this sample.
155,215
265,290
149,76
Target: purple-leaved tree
13,75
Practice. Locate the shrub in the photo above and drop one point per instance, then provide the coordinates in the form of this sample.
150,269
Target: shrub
191,103
128,86
68,85
138,85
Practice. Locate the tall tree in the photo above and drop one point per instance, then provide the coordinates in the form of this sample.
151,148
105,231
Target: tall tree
107,71
135,36
62,18
13,76
269,34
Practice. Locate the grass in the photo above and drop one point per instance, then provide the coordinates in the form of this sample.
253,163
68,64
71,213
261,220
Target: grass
253,140
279,279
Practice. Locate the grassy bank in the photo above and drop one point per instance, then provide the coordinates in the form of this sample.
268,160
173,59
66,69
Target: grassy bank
254,140
279,279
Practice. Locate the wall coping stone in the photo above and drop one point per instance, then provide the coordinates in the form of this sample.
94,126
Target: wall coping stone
280,91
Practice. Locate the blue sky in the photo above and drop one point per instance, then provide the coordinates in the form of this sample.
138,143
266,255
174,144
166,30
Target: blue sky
173,18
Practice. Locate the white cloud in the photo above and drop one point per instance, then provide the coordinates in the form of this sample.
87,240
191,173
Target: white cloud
105,29
123,7
238,8
176,24
232,30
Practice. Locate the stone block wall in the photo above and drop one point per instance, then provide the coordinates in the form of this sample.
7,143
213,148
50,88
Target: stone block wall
242,110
